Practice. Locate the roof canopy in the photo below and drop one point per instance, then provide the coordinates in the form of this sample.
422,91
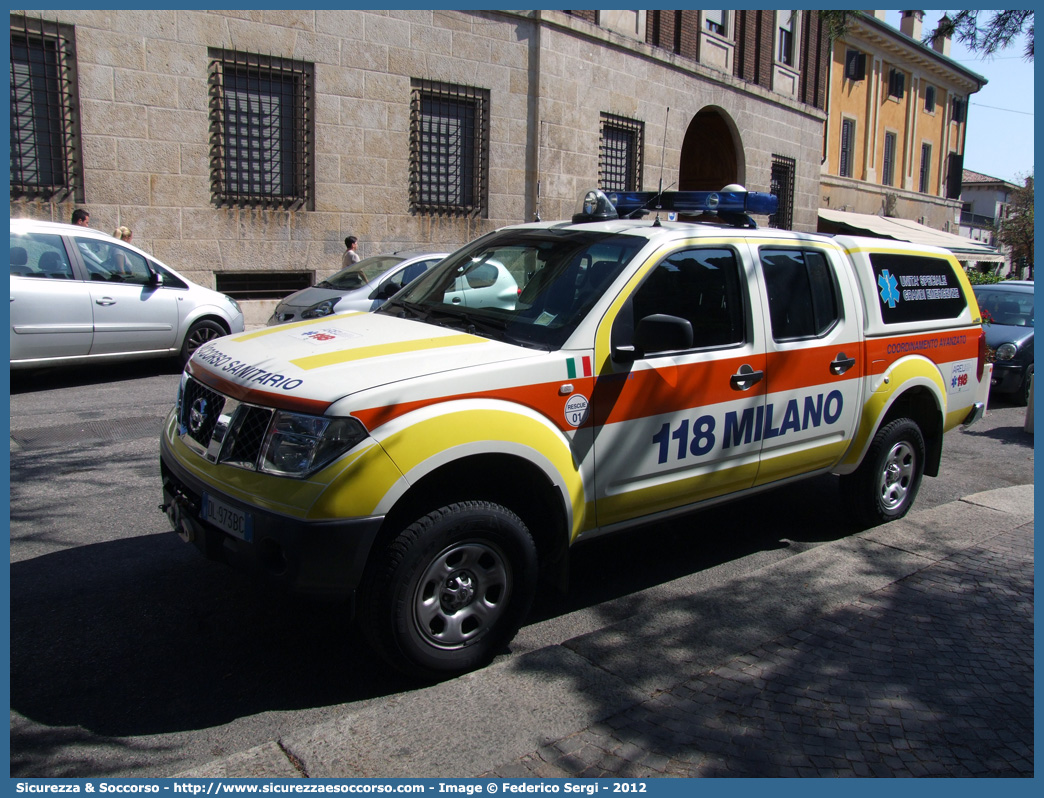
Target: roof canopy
964,249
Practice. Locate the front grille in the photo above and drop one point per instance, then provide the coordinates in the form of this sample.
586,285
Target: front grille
199,411
220,428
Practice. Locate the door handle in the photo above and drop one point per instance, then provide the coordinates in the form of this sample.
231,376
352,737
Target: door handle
105,300
746,378
841,364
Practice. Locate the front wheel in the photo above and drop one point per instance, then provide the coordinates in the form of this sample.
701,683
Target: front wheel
201,332
885,485
449,591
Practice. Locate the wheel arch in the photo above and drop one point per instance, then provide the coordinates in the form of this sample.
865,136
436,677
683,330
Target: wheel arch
505,479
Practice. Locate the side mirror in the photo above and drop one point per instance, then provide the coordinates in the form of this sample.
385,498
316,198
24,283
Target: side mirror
388,290
656,333
155,278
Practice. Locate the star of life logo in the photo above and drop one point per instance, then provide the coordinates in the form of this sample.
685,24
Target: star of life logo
889,288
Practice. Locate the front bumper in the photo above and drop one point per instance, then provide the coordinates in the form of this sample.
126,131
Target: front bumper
324,559
1007,378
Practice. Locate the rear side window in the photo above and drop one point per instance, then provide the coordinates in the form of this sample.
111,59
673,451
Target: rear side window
802,294
916,288
39,255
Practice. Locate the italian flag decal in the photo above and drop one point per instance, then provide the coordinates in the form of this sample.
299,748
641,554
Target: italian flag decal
579,366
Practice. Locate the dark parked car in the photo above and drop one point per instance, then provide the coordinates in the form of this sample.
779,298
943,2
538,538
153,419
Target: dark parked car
1009,334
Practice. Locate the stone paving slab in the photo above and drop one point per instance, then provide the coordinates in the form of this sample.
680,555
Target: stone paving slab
929,676
690,686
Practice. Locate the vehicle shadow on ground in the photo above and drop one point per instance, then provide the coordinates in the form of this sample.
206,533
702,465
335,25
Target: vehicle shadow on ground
142,636
25,381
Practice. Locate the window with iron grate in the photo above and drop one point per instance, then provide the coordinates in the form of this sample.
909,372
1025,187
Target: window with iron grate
45,126
262,131
449,149
620,154
783,173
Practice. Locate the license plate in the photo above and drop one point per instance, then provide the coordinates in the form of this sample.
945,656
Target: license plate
236,522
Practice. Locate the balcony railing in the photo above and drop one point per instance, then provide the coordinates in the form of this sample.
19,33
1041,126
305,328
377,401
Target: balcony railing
977,220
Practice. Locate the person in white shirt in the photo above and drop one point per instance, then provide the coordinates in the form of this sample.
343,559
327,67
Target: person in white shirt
351,254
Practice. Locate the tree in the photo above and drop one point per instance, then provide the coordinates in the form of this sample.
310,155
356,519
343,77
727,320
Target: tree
1003,28
1017,230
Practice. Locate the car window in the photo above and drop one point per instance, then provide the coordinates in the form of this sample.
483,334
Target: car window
1013,308
802,296
362,273
701,286
40,255
113,262
527,286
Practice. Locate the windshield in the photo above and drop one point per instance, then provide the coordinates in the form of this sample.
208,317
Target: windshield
1013,308
529,287
359,274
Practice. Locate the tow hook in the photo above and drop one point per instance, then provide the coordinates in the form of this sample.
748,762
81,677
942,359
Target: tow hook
178,521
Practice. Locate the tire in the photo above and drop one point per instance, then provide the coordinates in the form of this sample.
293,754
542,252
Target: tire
198,334
885,485
450,591
1022,395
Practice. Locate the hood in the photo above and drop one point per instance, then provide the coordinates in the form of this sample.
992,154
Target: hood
306,297
997,334
309,365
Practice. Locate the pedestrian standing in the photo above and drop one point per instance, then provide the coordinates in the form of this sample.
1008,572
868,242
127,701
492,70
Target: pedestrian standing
351,253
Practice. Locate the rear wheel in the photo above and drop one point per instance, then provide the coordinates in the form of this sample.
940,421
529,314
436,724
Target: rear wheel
885,485
451,590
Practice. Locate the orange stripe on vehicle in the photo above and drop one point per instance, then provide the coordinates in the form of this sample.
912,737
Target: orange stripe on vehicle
383,350
962,344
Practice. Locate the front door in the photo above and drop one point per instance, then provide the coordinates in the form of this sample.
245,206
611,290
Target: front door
669,425
132,312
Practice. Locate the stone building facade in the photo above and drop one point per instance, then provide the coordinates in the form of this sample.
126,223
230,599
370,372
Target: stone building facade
241,147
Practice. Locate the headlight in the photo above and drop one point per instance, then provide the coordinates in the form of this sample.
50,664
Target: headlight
233,303
1006,351
296,444
324,308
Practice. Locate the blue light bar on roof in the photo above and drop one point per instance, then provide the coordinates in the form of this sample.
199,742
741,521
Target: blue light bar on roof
692,202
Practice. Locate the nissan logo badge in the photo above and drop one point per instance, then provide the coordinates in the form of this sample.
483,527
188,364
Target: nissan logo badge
198,415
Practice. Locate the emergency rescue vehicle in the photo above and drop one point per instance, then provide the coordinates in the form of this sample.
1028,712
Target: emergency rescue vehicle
432,459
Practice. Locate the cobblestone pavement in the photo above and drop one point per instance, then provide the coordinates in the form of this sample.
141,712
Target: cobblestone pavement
930,676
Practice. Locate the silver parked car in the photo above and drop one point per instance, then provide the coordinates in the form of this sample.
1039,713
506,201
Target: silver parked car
365,285
79,295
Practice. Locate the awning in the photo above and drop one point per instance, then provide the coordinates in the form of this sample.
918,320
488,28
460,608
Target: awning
964,249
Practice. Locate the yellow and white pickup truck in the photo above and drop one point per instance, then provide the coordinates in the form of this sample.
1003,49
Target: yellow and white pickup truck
432,459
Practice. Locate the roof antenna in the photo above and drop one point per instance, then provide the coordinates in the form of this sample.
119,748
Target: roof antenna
659,193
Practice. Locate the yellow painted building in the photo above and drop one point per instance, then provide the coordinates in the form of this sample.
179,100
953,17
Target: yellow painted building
897,117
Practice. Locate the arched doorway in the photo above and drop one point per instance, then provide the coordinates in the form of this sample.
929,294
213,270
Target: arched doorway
712,153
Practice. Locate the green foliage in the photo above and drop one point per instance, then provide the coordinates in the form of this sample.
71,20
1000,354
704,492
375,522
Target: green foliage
975,277
1017,230
1002,28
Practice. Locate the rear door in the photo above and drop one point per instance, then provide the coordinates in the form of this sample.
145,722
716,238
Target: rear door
815,363
676,427
51,314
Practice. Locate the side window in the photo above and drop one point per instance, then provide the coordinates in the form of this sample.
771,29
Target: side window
702,286
40,255
802,295
112,262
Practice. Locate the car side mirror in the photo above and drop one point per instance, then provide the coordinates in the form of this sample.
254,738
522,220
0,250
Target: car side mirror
155,278
388,290
656,333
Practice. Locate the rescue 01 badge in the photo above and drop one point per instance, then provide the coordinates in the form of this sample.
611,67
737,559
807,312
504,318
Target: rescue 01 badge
576,410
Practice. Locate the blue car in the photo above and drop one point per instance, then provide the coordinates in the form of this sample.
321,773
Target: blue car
1009,334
